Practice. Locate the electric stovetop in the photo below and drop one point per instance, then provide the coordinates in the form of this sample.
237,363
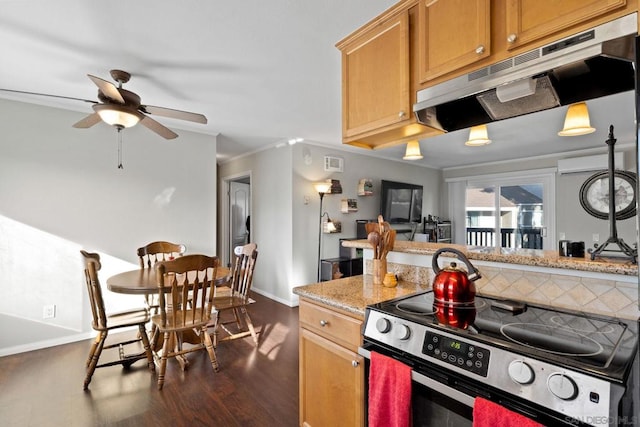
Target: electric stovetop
596,345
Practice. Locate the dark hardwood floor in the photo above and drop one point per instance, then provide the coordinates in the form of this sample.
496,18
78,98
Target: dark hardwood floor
255,386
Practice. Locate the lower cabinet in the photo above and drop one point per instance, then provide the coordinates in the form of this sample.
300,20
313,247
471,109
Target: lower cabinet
331,371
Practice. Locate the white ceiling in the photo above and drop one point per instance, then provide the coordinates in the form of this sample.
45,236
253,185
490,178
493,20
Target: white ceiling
261,71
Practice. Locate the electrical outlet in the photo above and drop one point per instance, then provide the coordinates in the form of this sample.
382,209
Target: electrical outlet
306,200
595,237
561,236
49,311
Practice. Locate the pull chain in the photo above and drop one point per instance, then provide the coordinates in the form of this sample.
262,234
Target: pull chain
119,147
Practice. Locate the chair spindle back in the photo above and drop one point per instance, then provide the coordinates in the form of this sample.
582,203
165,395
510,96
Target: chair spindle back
155,252
185,282
92,266
244,265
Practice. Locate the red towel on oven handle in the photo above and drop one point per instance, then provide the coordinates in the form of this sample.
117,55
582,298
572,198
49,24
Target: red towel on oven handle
489,414
389,392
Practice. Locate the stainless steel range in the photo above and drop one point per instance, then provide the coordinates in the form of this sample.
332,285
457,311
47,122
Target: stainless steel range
557,367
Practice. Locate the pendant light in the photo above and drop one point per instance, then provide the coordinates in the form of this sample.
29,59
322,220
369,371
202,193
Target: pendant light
478,136
413,151
576,122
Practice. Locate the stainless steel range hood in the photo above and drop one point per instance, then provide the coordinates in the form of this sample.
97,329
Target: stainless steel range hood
588,65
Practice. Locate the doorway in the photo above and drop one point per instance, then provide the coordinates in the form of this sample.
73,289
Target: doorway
237,215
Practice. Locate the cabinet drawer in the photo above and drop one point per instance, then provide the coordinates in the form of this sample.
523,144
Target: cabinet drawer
330,324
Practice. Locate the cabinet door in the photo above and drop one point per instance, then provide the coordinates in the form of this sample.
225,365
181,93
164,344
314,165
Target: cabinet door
331,383
530,20
375,78
452,34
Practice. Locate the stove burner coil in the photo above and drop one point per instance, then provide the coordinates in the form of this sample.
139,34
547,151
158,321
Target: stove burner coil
552,339
588,328
424,305
420,309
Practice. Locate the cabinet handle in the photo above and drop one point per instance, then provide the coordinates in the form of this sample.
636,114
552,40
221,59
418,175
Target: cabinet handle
355,363
480,50
323,323
511,38
402,114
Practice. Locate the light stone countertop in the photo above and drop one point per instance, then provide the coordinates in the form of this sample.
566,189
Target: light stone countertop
353,294
531,257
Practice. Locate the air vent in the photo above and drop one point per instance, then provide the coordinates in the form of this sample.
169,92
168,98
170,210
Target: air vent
478,74
333,164
526,57
500,66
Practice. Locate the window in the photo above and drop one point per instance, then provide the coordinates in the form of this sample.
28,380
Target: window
508,210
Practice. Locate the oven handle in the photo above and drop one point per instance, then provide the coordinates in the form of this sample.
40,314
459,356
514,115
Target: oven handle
432,384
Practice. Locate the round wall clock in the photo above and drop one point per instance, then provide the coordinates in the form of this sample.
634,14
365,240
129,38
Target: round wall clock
594,195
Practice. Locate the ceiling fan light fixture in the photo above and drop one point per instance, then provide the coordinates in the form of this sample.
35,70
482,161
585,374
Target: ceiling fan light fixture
118,115
478,136
413,151
577,121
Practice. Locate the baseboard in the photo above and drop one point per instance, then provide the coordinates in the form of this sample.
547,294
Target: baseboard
45,343
288,303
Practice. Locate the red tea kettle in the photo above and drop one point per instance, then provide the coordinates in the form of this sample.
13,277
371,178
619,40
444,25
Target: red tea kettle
453,285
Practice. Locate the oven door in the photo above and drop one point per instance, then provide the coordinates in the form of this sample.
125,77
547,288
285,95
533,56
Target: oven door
445,399
432,402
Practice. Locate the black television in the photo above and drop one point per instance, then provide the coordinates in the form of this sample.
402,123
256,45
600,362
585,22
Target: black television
400,202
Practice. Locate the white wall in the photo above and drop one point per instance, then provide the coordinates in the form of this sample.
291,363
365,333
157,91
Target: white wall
356,167
285,208
576,223
60,188
271,217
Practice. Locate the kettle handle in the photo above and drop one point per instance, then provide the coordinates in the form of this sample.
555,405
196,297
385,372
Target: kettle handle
473,273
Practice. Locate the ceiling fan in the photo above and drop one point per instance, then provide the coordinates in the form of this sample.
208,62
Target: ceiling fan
122,108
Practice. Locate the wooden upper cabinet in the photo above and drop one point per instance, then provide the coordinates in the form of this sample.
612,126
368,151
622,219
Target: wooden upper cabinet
452,34
375,71
531,20
379,81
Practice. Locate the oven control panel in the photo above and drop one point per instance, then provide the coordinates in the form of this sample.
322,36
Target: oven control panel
470,357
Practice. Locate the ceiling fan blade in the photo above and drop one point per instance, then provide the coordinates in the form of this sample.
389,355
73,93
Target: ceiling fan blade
174,114
88,121
158,128
46,94
108,89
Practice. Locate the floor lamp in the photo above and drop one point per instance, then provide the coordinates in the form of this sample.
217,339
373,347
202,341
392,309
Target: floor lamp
322,188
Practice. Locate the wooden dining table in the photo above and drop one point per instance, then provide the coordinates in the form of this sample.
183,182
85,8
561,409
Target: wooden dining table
143,281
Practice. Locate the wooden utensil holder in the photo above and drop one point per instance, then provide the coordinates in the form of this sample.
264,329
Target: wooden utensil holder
379,270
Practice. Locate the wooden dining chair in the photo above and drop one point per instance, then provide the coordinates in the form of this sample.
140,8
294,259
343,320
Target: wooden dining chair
148,256
185,294
236,301
103,323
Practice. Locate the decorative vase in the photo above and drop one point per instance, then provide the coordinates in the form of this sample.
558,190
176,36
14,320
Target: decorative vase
379,270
